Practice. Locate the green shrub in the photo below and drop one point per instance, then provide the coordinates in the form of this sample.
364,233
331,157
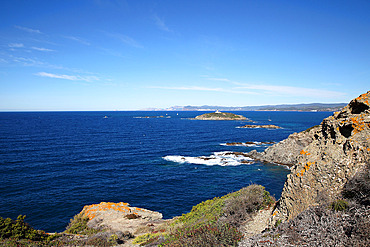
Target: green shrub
339,205
242,204
214,222
19,229
150,238
78,225
277,223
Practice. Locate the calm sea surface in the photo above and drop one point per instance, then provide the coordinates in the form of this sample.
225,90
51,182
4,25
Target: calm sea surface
54,163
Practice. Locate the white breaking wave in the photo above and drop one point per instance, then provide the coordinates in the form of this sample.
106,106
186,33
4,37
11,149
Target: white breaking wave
243,144
246,144
225,158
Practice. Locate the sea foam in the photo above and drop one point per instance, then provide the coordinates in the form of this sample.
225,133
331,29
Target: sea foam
225,158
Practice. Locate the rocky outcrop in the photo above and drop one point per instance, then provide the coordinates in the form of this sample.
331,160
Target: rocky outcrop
119,217
253,126
341,146
287,151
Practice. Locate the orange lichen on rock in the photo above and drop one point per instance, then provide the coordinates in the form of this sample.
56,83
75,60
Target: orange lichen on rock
91,210
305,153
357,124
305,169
364,96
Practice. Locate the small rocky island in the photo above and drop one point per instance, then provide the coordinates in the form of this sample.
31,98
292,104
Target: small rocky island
267,126
217,115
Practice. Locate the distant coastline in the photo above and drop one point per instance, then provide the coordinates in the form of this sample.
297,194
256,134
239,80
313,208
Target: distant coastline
313,107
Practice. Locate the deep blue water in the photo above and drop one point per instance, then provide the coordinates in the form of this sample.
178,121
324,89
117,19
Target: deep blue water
54,163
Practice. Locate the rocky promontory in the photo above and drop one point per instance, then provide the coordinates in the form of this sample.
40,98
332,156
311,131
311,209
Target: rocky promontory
220,116
117,223
287,151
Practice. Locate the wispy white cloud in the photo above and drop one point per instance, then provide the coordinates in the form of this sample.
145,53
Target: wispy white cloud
125,39
160,24
36,62
68,77
197,88
219,79
41,49
30,30
261,89
27,61
16,45
192,88
290,91
77,39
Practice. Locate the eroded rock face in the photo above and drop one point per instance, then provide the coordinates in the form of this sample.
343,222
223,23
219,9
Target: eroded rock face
119,217
340,147
286,151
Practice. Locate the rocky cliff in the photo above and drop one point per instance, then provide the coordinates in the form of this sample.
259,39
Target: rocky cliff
340,147
286,151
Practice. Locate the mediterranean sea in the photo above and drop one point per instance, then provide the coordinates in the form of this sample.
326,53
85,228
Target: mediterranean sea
54,163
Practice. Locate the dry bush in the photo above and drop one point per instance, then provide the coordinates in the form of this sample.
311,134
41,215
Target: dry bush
245,203
358,188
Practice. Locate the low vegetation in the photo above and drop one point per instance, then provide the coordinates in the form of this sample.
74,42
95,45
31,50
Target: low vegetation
18,233
213,222
343,222
78,225
339,205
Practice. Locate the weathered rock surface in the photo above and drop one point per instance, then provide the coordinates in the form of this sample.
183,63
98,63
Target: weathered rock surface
255,126
119,217
287,151
341,146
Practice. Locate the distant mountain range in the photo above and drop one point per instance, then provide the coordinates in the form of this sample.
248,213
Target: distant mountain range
294,107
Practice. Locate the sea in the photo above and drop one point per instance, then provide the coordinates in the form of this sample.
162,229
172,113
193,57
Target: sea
52,164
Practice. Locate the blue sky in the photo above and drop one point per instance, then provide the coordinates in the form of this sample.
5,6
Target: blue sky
129,55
